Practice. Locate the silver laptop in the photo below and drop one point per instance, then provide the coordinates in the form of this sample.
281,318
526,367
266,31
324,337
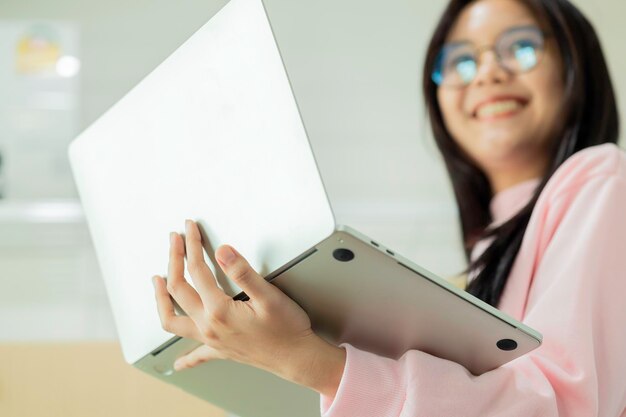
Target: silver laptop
214,134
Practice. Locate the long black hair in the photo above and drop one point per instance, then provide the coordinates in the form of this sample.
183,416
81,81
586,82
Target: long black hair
589,117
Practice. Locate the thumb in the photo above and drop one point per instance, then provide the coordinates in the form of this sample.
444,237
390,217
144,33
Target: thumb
239,270
197,356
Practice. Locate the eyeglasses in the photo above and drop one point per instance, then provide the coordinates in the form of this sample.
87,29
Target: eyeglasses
518,50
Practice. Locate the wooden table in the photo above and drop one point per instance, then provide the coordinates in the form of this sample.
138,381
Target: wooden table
85,380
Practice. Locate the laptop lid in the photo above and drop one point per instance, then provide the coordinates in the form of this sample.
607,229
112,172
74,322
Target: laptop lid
212,134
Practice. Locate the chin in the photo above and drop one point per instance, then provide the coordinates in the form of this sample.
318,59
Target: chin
493,147
504,140
503,154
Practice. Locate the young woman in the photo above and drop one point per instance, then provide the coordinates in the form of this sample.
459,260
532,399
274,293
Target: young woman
524,113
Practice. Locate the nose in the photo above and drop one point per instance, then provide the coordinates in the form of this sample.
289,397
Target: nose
490,71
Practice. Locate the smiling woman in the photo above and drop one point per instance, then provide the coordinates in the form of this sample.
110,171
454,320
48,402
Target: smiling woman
523,111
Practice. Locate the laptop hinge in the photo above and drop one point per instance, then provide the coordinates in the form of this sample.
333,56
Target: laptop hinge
242,296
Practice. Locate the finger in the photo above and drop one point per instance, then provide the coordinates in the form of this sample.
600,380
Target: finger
184,294
170,322
201,274
197,356
239,270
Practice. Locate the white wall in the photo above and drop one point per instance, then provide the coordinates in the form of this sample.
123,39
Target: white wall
355,67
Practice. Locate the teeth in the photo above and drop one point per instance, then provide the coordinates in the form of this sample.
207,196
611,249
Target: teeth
499,107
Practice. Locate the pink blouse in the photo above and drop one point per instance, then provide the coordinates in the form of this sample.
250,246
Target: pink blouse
568,282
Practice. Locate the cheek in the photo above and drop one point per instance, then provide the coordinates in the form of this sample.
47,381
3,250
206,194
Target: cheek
451,105
547,87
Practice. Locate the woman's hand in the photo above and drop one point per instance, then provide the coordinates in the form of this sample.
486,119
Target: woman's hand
269,331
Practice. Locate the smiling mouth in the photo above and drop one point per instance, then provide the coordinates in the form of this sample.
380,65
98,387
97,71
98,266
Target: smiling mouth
499,109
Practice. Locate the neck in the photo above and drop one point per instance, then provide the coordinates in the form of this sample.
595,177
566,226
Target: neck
502,183
506,178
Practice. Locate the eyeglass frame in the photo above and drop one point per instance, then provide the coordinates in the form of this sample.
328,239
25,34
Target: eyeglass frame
478,51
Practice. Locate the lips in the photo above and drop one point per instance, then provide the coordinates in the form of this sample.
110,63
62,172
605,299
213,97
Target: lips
497,107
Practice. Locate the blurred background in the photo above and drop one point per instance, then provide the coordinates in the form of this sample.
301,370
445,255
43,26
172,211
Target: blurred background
355,67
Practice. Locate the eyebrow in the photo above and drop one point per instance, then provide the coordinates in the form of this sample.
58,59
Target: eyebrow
509,29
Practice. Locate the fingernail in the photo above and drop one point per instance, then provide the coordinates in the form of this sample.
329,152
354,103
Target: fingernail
227,255
172,236
178,365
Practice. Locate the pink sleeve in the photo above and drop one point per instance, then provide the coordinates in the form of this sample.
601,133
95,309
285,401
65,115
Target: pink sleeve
577,301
